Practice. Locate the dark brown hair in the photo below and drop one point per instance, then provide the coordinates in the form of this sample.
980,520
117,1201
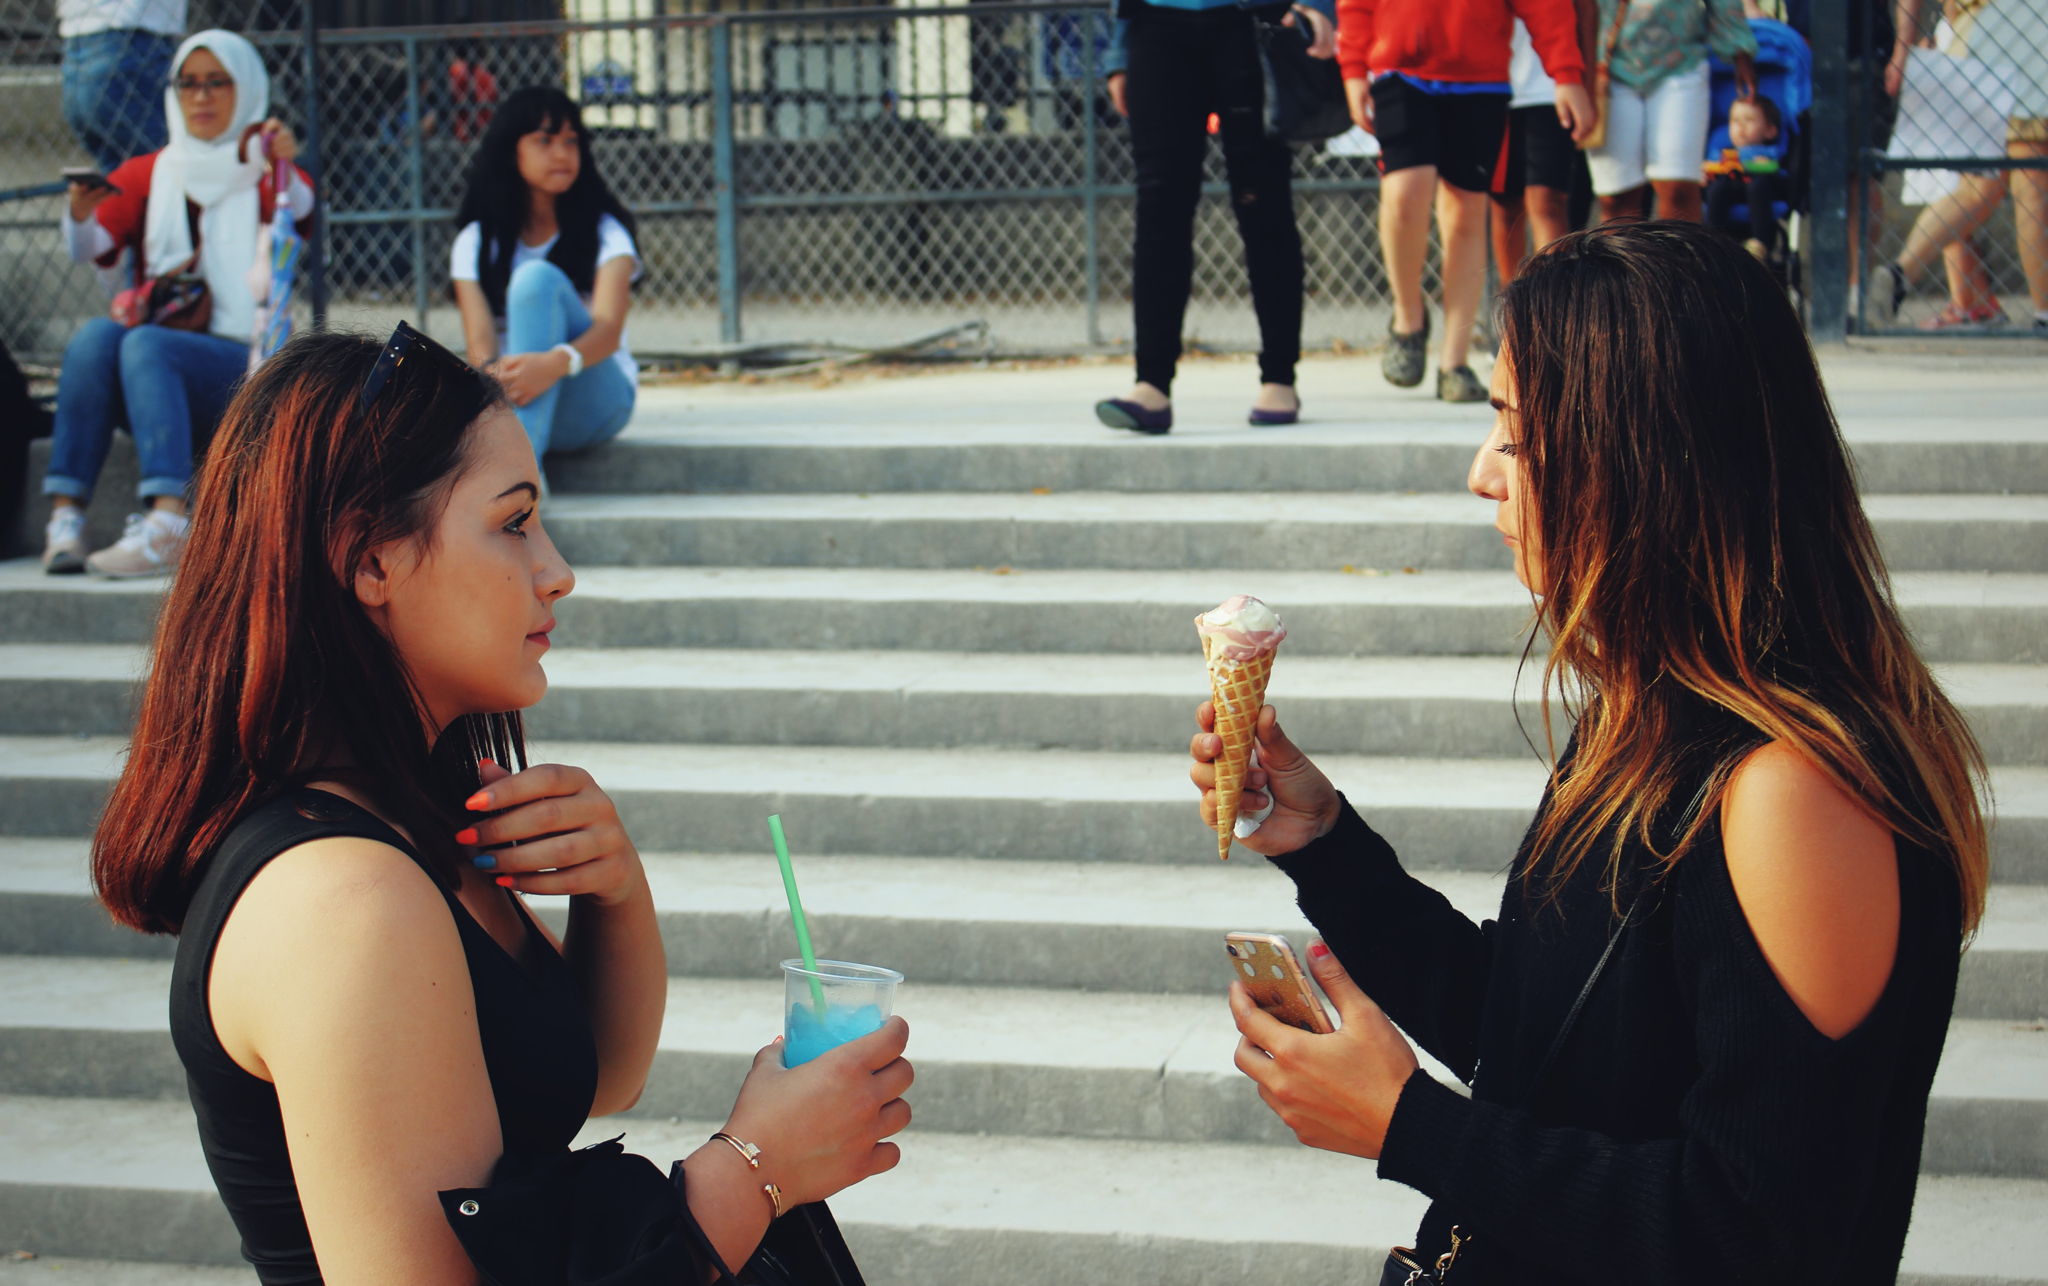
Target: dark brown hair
1706,559
266,671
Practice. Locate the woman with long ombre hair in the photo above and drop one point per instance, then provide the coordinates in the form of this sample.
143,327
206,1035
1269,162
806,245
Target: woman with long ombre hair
1699,1036
320,802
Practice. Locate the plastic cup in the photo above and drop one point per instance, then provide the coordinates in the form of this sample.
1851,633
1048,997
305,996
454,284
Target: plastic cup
858,998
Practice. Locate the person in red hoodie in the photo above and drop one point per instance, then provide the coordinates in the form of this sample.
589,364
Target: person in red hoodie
1429,78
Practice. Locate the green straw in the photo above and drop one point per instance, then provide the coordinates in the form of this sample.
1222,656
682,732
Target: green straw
796,911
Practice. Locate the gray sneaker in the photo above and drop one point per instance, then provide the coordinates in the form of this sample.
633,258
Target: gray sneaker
149,546
64,542
1406,355
1459,384
1887,294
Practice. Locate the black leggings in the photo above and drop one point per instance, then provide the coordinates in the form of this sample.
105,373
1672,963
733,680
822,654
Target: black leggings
1185,64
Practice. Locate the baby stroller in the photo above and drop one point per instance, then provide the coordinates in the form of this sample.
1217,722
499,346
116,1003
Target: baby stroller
1784,74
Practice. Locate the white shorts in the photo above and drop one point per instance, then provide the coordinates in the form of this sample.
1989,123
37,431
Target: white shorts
1656,137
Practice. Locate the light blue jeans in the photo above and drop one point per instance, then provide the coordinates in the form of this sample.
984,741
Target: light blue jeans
113,89
168,386
541,311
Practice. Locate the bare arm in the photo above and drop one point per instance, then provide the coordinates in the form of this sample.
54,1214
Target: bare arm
1818,880
479,329
340,978
611,298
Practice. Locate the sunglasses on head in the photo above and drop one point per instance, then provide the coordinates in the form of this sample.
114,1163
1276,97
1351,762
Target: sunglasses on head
405,345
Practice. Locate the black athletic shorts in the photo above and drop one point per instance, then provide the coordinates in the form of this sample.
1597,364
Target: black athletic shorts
1462,135
1540,153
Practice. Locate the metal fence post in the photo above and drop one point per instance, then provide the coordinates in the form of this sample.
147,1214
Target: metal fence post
725,195
316,241
418,183
1091,177
1834,169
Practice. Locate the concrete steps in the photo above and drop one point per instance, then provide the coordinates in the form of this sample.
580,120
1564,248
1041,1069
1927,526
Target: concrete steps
1423,706
131,1184
1128,1065
1983,618
955,651
1112,530
1442,814
1097,926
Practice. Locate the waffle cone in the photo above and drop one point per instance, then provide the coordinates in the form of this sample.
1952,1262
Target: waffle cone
1239,691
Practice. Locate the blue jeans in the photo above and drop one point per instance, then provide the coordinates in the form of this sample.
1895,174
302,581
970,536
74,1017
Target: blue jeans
114,92
161,383
541,311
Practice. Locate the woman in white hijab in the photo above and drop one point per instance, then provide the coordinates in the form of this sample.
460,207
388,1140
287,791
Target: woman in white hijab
194,207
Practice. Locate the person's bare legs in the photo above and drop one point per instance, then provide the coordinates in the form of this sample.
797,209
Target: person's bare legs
1508,224
1461,222
1404,241
1632,204
1955,217
1678,199
1550,213
1970,290
2030,221
1148,396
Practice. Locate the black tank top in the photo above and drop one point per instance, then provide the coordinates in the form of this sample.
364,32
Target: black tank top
535,1030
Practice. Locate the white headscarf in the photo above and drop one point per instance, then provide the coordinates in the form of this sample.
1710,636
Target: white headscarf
211,176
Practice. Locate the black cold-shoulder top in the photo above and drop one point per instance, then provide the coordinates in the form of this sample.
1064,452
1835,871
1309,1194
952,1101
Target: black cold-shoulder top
1695,1128
535,1031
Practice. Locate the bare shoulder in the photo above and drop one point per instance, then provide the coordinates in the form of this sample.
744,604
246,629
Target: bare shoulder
331,923
1817,877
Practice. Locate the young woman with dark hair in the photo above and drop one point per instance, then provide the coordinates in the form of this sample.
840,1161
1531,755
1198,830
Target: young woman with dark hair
319,801
543,268
1765,789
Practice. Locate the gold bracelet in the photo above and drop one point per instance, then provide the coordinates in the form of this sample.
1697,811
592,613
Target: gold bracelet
774,1199
747,1150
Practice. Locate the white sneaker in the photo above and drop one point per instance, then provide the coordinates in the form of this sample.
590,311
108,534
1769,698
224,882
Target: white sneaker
64,542
149,546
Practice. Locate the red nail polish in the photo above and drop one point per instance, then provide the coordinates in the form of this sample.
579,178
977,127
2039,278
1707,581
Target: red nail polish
504,882
467,835
1317,950
478,802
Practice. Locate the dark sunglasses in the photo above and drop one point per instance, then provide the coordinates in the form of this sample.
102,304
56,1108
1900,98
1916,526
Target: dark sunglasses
405,345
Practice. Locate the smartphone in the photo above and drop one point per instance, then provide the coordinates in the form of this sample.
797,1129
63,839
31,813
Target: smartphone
87,175
1272,973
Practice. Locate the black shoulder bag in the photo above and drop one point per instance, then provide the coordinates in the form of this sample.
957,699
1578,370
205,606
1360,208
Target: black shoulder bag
601,1216
1304,96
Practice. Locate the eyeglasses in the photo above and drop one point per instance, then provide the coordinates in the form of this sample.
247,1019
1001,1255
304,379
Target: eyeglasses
195,86
405,345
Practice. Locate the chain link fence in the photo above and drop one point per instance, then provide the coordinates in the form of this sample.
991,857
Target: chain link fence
1963,176
863,176
851,176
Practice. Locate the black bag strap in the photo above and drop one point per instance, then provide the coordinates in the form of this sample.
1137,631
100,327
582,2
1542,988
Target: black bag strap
1571,1017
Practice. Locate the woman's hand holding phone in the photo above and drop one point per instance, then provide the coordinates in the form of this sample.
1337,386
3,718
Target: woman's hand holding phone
1305,803
1336,1092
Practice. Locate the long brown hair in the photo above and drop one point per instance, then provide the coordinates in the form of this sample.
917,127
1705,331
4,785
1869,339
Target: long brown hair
1706,559
266,670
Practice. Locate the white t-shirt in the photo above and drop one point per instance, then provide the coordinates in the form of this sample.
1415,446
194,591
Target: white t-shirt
1531,85
613,242
86,17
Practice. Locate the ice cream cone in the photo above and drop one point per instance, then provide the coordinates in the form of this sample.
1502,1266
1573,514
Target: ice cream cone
1239,691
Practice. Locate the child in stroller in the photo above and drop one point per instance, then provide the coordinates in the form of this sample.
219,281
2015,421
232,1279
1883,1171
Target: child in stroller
1784,73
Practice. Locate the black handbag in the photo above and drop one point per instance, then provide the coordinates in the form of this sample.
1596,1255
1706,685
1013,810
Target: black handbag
1304,96
601,1216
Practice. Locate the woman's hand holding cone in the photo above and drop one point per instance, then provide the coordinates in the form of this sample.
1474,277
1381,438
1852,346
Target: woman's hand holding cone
1305,803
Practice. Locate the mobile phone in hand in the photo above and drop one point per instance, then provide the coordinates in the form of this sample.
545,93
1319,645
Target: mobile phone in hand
88,177
1267,966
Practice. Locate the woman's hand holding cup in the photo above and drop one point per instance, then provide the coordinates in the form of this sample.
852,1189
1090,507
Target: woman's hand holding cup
1304,802
822,1127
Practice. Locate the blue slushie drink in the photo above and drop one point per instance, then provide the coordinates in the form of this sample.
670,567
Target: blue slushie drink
857,998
